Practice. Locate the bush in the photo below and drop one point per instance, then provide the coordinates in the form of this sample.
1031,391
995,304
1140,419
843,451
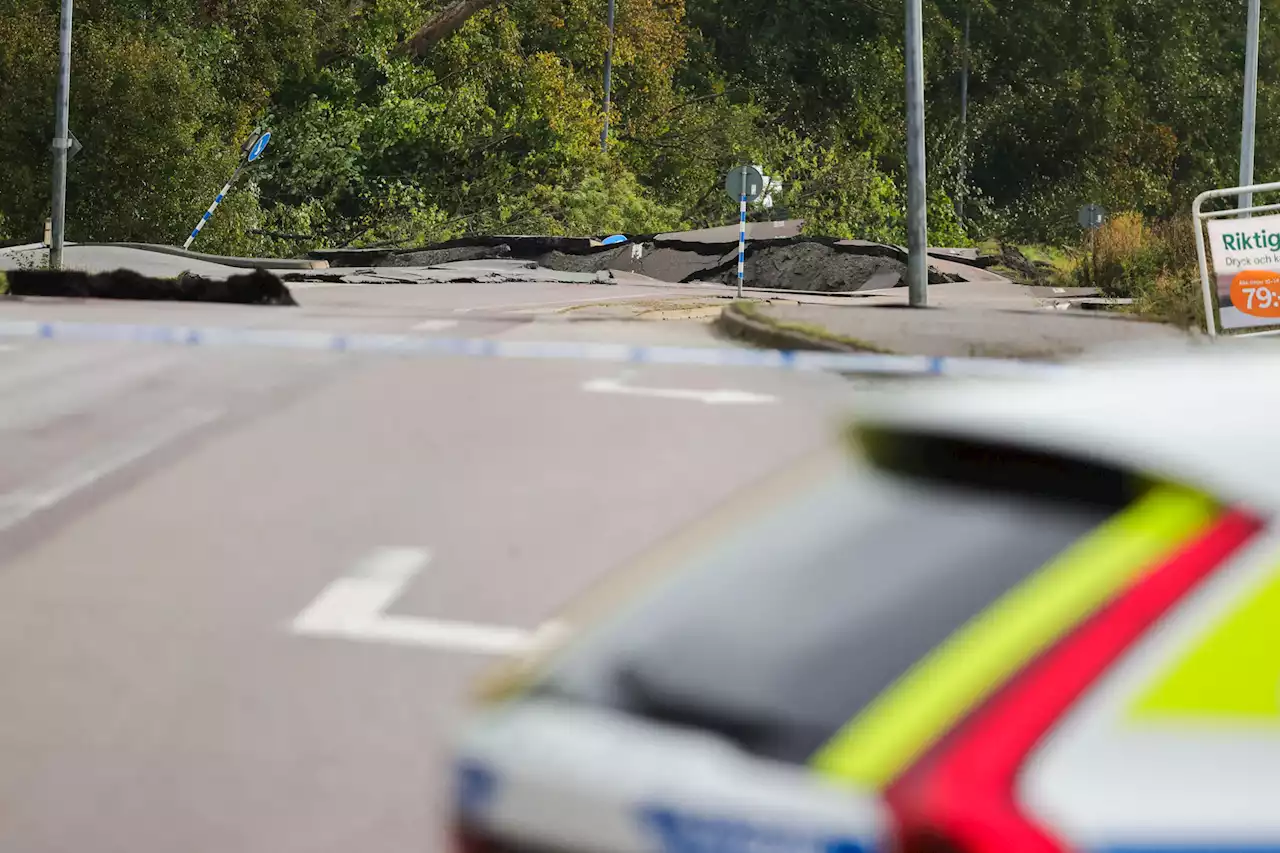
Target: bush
1154,264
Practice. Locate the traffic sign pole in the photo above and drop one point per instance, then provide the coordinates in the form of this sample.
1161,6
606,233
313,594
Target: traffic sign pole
208,214
742,232
252,151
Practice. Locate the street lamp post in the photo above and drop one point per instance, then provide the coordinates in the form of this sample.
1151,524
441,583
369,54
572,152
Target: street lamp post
608,81
1250,102
964,124
61,140
917,224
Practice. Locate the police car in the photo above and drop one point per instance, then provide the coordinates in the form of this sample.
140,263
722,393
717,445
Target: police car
1037,615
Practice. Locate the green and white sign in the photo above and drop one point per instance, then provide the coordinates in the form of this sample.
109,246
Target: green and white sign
1246,270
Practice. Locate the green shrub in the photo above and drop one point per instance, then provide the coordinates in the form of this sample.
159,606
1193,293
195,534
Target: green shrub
1153,263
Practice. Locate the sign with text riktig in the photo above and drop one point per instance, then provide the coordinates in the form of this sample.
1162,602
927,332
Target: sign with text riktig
1246,270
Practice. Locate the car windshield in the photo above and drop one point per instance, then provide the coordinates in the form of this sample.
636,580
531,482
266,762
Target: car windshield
778,635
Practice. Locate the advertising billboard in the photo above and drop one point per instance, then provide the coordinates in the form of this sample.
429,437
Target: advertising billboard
1246,270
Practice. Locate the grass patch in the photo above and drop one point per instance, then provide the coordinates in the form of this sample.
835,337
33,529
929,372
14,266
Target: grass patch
4,283
809,330
1060,259
1032,263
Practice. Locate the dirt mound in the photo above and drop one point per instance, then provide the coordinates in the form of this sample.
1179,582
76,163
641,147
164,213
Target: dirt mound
579,262
819,266
256,288
814,266
454,254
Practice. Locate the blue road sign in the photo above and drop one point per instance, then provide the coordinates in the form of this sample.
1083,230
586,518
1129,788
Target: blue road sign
259,146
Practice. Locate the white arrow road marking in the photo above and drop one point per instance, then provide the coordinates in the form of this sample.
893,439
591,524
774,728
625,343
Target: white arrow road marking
713,398
354,608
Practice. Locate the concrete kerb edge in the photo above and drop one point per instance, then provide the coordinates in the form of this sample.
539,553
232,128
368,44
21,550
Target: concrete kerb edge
225,260
735,322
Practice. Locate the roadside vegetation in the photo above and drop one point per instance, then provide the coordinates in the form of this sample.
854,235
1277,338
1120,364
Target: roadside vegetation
1153,263
398,122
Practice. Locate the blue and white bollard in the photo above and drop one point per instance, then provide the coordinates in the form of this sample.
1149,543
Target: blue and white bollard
209,213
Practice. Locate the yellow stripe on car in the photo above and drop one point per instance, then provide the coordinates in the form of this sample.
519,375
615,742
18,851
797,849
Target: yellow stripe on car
905,720
1232,675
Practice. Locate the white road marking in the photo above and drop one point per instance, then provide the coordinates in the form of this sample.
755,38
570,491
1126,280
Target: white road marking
354,608
435,325
20,505
713,398
1059,290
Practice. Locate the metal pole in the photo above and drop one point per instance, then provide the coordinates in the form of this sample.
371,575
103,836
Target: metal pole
208,214
60,139
608,82
1250,102
964,124
742,232
917,224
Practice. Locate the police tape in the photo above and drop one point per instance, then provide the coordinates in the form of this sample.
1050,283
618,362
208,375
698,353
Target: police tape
424,346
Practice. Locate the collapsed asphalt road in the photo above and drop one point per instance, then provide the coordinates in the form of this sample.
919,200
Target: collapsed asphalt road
777,258
168,514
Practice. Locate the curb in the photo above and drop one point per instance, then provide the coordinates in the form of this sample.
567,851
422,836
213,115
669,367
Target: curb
225,260
705,312
741,325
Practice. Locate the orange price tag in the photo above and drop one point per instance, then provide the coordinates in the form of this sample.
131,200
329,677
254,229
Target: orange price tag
1257,293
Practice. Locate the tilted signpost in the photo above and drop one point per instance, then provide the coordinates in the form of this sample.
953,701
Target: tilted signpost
251,151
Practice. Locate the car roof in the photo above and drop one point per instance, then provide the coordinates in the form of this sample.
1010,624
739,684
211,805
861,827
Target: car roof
1208,417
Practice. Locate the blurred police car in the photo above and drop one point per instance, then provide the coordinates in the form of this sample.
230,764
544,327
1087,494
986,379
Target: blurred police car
1021,616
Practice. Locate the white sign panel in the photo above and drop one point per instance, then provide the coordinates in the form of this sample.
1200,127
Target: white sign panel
1246,270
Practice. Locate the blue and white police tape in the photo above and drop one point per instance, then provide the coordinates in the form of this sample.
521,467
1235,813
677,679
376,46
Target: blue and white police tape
418,345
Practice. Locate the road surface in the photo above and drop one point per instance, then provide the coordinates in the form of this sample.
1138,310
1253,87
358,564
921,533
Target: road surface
243,593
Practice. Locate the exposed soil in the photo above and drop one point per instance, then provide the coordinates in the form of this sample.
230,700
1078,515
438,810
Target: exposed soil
256,288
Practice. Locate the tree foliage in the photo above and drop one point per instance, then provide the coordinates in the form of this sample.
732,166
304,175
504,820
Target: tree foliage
491,121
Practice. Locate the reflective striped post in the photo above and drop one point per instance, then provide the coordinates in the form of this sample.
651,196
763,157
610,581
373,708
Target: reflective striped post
742,232
208,214
251,152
